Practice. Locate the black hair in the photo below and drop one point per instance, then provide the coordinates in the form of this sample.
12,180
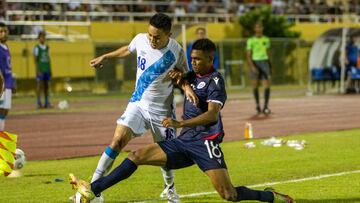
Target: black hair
41,33
2,24
205,45
161,21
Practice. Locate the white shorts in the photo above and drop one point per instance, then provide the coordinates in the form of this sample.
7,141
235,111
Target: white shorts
141,120
5,100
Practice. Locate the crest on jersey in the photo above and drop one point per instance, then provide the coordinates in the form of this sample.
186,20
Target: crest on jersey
219,160
216,79
201,85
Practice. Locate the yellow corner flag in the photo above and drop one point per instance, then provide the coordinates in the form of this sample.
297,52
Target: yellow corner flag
7,152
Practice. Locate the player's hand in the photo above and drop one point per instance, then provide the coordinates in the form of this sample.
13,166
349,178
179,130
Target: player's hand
254,70
191,96
168,122
96,62
176,75
13,90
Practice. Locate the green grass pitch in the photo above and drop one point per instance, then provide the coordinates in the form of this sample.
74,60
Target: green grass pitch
326,153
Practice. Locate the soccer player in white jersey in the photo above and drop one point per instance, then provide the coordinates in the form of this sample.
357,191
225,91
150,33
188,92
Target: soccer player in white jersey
152,100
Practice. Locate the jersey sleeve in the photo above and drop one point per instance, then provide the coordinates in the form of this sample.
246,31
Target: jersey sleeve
216,90
182,64
248,44
268,44
132,45
36,51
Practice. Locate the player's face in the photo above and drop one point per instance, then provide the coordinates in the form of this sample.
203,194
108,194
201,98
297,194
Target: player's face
42,38
201,34
201,61
157,37
258,29
3,34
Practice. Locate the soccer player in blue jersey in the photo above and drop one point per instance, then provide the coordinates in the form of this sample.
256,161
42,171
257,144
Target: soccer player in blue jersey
152,100
5,67
198,143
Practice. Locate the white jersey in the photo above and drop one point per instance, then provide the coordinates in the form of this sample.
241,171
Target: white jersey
154,89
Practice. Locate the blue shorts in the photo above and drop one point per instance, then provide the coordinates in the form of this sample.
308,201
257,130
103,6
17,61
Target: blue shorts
43,77
180,153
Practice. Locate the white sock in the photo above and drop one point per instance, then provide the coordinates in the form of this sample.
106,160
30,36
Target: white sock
168,176
104,165
2,124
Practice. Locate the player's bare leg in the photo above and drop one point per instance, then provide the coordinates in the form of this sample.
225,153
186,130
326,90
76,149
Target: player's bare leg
149,155
122,136
222,184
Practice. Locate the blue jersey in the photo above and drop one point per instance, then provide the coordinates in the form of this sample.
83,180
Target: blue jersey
352,52
208,88
5,66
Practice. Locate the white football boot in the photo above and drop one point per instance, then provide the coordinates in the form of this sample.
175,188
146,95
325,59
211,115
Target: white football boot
170,194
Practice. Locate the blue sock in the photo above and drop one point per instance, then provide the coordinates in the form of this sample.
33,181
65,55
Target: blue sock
47,100
123,171
39,101
244,193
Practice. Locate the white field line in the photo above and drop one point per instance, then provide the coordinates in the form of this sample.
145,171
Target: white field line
282,182
270,184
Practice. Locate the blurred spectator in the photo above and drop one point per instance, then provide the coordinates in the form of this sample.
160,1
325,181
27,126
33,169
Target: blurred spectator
352,54
278,6
201,34
182,7
2,10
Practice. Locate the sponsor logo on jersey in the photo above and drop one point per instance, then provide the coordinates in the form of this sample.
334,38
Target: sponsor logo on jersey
216,79
201,85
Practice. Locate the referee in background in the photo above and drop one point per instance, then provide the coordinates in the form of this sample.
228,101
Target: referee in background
257,54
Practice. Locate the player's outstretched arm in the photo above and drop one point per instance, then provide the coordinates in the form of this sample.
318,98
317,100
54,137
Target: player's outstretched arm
121,52
210,116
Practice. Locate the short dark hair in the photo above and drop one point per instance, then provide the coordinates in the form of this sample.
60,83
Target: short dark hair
41,33
205,45
161,21
2,24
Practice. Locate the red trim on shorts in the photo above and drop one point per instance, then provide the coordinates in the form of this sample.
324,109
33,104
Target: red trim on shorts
211,137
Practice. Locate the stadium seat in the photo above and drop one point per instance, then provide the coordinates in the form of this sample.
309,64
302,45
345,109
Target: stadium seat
355,73
317,74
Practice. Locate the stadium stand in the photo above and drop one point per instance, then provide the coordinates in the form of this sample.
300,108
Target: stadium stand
83,21
185,10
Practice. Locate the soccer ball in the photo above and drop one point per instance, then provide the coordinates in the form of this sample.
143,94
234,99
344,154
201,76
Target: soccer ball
63,104
20,159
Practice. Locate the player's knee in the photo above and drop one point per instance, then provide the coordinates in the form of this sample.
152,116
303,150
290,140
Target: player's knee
136,157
